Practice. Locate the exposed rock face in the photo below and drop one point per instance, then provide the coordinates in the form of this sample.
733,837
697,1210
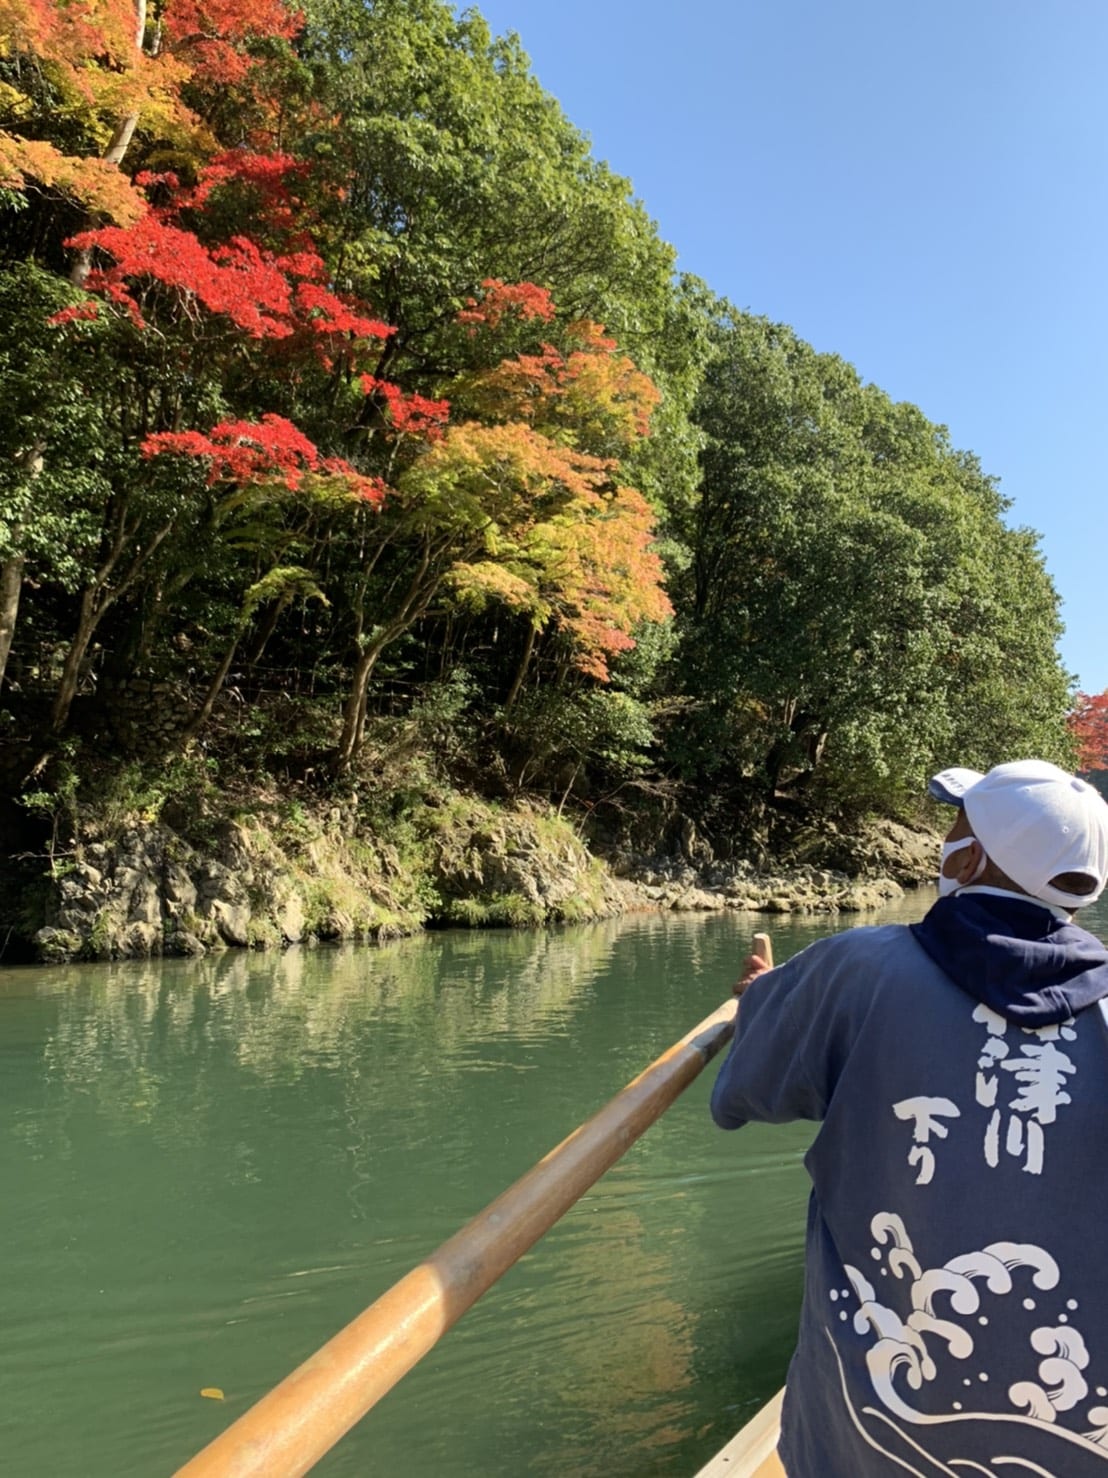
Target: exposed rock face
520,867
878,847
150,892
664,882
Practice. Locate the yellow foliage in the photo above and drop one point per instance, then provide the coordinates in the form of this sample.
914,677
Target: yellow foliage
563,542
90,54
97,184
592,396
478,584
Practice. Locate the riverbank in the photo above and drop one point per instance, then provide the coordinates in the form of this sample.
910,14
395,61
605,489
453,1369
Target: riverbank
284,873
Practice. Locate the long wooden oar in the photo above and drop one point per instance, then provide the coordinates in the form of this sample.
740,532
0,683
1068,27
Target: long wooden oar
752,1452
285,1433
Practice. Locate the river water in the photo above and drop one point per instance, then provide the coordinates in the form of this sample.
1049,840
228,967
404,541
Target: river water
207,1167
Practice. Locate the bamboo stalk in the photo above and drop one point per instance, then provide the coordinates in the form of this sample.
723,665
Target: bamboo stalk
286,1433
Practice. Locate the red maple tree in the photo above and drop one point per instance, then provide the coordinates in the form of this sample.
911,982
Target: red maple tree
1088,724
269,286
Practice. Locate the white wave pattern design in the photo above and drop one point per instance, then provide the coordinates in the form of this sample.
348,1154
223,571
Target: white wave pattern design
908,1351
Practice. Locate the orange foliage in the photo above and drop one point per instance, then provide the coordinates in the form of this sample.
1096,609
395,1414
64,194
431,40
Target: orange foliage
564,544
92,55
211,34
98,185
1088,724
72,35
522,300
409,413
164,276
593,392
269,450
610,577
268,296
504,471
267,293
536,480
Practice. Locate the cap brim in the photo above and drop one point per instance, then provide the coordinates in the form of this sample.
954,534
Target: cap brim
950,786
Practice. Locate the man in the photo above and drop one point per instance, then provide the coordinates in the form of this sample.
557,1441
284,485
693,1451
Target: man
955,1316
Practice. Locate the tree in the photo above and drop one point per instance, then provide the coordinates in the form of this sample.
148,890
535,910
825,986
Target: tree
184,318
243,411
458,166
49,472
451,166
82,81
78,84
857,609
1088,724
522,508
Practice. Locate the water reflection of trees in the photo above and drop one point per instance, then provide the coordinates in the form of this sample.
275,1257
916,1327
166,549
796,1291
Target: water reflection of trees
124,1034
628,1378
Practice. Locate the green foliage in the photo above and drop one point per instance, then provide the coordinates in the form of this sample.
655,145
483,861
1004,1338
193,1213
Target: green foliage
506,910
55,802
851,607
462,169
564,737
142,790
52,432
856,611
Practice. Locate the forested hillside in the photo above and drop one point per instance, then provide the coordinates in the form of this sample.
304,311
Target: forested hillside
358,443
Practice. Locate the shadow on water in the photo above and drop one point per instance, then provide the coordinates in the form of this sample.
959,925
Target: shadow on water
210,1166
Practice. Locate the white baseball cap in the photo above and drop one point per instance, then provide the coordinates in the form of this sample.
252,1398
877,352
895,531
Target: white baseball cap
1035,822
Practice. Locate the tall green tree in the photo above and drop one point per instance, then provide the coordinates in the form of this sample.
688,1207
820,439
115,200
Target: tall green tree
455,166
856,609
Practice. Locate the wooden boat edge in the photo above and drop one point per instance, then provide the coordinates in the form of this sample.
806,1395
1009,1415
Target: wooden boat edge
752,1452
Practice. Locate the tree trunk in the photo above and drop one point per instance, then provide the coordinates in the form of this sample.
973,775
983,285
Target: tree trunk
118,145
11,571
353,715
96,600
569,787
417,598
11,585
266,630
87,622
422,589
204,712
521,670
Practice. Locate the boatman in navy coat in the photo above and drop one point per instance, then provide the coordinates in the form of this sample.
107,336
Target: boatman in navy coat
955,1317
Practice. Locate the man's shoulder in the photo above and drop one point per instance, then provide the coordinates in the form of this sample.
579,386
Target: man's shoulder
865,941
864,958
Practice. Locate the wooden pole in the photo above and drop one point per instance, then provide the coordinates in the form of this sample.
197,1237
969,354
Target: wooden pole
286,1433
763,948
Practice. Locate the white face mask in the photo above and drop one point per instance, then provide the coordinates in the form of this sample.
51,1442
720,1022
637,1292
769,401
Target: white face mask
951,885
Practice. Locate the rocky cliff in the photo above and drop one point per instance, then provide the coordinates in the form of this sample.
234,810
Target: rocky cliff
260,881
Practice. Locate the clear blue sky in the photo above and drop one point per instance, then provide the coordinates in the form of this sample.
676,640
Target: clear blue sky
917,185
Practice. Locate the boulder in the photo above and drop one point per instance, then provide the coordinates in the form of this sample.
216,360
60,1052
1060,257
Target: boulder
698,900
231,919
57,946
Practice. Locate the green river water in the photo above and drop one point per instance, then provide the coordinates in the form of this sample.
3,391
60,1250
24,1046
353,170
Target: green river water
207,1167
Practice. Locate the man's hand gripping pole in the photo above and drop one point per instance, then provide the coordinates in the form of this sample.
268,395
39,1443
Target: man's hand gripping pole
757,962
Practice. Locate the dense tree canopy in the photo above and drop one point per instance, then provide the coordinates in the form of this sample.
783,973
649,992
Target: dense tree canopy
856,607
335,369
